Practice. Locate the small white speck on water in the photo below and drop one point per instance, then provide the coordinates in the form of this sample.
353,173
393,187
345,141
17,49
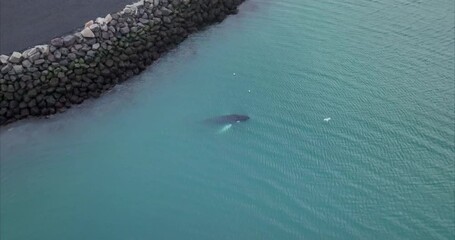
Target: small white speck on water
234,74
249,91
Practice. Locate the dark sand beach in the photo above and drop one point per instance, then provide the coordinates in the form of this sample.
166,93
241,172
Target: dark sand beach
27,23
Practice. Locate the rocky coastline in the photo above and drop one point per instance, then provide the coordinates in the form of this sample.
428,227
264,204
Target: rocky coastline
50,78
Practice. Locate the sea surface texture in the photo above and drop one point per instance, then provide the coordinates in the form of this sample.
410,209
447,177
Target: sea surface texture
139,163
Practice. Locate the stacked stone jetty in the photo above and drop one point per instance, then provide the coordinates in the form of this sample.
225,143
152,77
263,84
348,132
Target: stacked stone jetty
50,78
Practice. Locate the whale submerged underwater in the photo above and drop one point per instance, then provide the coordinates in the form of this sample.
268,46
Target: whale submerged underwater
227,121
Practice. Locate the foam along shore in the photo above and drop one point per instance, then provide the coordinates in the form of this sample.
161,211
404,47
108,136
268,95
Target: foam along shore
49,78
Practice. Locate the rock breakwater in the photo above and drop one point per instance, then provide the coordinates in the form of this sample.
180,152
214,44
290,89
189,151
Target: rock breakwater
50,78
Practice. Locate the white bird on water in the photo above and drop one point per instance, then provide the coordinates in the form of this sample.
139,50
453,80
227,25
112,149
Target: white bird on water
327,119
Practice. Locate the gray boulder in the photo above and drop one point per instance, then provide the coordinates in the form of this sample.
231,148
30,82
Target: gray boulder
108,18
57,54
18,69
27,53
166,11
34,56
44,49
87,33
124,30
64,51
167,20
5,69
57,42
72,56
91,53
16,57
69,40
95,46
158,13
3,59
39,61
143,20
105,35
26,63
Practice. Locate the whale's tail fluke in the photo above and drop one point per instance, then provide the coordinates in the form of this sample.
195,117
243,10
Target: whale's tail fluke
225,128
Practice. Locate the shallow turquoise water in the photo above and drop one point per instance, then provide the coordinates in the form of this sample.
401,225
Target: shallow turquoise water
138,163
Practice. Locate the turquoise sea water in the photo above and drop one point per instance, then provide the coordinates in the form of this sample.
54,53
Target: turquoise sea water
139,164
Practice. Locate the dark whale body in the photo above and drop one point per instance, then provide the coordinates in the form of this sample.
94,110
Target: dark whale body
228,119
